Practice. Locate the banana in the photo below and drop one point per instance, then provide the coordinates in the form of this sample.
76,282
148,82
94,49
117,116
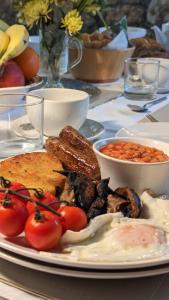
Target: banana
3,26
4,42
19,39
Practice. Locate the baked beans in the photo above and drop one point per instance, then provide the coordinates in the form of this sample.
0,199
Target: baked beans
134,152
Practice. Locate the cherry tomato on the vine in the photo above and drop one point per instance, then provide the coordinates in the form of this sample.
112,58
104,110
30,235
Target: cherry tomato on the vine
63,223
13,216
75,217
43,231
17,187
47,199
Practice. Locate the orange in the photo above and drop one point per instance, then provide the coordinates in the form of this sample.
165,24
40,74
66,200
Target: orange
29,62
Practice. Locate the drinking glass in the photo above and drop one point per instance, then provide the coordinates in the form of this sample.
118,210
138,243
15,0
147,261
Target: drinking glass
141,78
17,133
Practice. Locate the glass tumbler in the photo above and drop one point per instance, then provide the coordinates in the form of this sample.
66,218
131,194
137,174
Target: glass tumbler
141,78
18,134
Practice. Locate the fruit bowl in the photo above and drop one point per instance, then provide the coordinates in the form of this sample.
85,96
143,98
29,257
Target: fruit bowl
36,83
7,95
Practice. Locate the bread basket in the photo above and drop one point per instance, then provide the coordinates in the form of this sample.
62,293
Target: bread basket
99,65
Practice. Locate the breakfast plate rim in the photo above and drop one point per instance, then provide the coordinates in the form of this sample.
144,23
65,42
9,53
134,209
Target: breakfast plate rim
81,273
64,259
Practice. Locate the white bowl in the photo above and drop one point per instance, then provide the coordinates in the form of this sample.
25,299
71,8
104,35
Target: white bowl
61,107
139,176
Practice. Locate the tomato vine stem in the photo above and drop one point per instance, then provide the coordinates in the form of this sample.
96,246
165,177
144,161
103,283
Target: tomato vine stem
12,192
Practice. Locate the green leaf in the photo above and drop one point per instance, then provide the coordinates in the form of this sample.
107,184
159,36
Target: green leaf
120,25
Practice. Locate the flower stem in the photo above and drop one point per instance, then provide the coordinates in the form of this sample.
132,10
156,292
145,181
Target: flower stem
103,21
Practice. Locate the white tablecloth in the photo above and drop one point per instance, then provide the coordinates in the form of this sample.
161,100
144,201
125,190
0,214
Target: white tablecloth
113,116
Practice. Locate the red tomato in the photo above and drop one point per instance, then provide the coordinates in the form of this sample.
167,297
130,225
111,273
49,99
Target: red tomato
13,217
46,199
75,217
63,224
17,186
45,233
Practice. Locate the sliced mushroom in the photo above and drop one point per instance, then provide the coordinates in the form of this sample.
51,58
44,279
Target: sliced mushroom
68,193
134,207
116,203
103,188
98,207
96,198
79,187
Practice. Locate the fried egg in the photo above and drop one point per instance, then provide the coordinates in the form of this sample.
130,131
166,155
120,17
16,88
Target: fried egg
97,224
122,239
155,209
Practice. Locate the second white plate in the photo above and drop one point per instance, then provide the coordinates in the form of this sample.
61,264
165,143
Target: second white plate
81,273
158,131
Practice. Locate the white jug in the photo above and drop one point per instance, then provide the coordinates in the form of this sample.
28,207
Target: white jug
162,36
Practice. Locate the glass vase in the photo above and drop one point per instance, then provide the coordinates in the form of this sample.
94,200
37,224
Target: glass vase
54,54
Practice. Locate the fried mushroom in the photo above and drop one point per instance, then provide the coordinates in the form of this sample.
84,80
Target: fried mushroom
79,189
115,203
134,207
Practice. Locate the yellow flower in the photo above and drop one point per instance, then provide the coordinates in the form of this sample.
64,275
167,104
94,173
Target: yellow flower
72,22
93,8
63,2
34,10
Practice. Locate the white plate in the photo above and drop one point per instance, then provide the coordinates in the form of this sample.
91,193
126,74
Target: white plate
159,131
91,129
36,83
80,273
133,32
136,32
18,245
164,90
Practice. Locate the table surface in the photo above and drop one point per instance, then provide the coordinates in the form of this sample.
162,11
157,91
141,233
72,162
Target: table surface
17,282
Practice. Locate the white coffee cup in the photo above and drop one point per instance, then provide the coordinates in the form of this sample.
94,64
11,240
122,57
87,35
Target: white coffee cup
61,107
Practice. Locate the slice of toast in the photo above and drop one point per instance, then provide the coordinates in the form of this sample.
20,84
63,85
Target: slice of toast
34,170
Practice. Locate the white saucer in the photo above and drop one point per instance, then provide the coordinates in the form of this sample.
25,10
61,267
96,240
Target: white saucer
90,129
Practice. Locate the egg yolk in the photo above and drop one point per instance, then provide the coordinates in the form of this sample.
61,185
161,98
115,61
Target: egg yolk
139,235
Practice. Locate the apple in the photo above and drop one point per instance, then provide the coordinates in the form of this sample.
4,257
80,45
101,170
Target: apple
11,75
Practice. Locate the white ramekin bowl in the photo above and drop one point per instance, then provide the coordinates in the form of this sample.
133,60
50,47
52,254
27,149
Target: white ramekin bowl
139,176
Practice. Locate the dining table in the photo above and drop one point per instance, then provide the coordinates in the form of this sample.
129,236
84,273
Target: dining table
19,282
